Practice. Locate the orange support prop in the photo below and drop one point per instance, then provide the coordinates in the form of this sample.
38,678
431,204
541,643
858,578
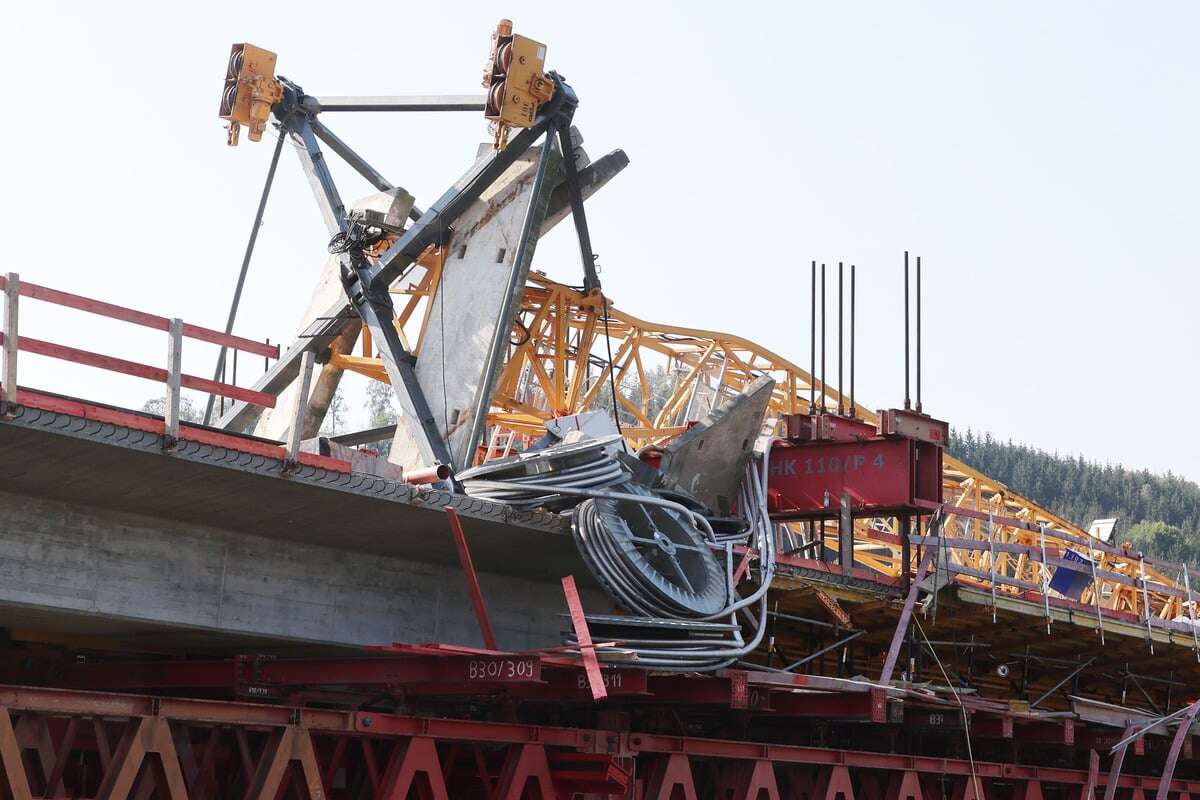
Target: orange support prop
671,779
287,751
414,765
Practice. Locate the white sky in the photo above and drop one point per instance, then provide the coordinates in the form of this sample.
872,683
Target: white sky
1040,156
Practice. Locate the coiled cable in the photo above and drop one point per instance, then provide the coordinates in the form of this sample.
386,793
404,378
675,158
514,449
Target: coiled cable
608,531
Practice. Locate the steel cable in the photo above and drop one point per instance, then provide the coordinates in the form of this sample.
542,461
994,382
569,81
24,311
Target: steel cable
659,606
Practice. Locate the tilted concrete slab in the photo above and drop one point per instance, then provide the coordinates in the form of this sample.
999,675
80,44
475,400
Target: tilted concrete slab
102,534
479,291
242,415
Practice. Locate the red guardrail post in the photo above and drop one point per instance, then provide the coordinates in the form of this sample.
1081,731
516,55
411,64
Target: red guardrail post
12,294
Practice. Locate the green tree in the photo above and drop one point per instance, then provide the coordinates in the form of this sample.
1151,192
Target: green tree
187,409
381,410
1160,514
335,417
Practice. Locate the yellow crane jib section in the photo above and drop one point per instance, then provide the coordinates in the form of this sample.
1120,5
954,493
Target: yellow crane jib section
250,90
666,375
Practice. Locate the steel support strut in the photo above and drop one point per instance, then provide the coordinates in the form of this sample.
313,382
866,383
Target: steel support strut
241,281
1181,733
371,302
591,280
914,589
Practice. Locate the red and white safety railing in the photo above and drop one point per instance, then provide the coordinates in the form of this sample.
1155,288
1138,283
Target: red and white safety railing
173,376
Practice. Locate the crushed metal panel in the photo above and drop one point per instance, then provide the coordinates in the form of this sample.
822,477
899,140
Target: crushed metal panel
708,460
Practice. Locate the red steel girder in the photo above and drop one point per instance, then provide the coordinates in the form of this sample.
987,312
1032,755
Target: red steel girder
880,476
260,677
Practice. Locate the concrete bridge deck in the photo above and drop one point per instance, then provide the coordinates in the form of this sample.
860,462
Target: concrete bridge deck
213,549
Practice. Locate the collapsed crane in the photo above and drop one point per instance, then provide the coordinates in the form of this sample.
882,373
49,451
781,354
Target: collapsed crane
372,249
753,567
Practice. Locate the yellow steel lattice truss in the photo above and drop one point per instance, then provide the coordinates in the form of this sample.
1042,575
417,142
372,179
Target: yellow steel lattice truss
668,374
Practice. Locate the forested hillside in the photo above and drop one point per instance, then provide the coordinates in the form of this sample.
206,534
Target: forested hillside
1160,514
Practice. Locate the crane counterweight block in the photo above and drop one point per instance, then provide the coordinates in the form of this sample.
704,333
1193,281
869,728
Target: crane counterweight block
515,81
250,90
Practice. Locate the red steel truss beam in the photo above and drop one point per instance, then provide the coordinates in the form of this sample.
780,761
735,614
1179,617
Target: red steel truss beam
149,720
247,674
858,759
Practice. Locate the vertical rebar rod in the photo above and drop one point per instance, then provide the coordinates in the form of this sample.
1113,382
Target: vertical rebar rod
823,384
907,401
852,406
992,560
1096,595
918,334
1045,576
1187,585
1145,602
812,340
841,306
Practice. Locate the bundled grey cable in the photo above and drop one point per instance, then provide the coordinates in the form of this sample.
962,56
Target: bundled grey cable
657,558
534,479
681,637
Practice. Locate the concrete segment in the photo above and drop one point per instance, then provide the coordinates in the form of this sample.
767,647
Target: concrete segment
472,299
96,570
